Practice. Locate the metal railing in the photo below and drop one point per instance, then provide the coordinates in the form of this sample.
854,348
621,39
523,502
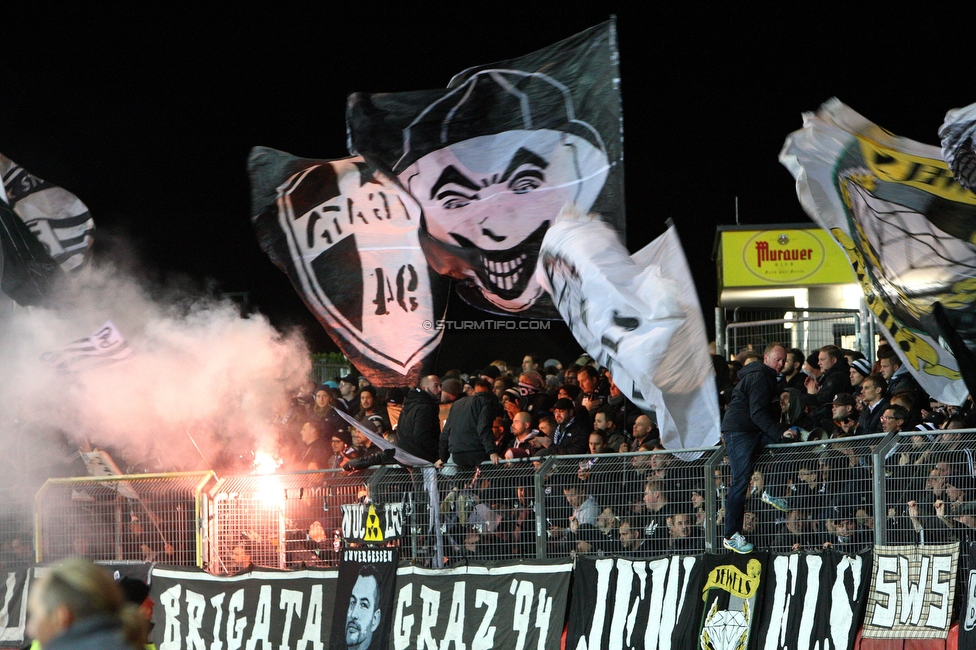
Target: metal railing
803,328
139,518
849,493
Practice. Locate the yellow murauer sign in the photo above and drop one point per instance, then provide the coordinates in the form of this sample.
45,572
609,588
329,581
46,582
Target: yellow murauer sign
786,257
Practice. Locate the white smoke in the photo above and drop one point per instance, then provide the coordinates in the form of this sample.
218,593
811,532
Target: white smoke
199,373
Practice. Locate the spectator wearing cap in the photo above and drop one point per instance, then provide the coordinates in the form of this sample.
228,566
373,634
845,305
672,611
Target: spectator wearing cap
348,393
843,409
860,368
326,398
491,373
812,366
342,450
418,428
533,398
874,402
452,389
571,435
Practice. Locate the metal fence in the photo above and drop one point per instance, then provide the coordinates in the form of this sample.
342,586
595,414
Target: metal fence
848,493
141,518
280,521
323,371
806,329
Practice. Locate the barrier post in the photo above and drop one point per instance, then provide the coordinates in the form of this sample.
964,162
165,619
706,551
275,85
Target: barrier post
541,531
880,488
711,502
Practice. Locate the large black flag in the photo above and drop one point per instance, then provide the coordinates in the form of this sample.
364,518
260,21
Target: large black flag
492,158
346,236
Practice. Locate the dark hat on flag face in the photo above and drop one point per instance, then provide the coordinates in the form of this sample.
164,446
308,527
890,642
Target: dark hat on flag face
491,102
862,366
564,404
844,399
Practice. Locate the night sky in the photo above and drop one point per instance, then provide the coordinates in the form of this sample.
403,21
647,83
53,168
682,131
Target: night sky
148,114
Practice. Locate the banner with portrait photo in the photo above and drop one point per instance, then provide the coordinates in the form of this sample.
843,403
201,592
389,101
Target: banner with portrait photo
911,593
907,227
492,158
347,238
364,599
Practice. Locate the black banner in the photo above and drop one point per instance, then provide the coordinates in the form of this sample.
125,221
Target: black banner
364,599
13,606
519,606
813,600
629,603
967,615
724,600
267,609
492,158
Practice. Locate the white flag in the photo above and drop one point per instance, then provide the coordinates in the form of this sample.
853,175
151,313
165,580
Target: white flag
904,223
105,347
639,317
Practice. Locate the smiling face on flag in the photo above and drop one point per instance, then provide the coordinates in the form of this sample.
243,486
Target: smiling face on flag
495,196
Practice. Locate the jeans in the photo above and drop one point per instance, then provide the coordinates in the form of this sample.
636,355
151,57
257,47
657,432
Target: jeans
742,449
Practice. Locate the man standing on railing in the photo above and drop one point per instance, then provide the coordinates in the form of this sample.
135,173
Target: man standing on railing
750,424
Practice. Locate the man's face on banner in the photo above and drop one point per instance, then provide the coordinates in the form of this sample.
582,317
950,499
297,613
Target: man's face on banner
496,196
363,616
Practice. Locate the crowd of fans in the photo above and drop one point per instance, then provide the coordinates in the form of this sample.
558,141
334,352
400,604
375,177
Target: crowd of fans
614,501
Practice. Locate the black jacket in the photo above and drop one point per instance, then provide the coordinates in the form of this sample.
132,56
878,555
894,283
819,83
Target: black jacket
468,428
755,403
574,438
833,382
419,426
871,420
